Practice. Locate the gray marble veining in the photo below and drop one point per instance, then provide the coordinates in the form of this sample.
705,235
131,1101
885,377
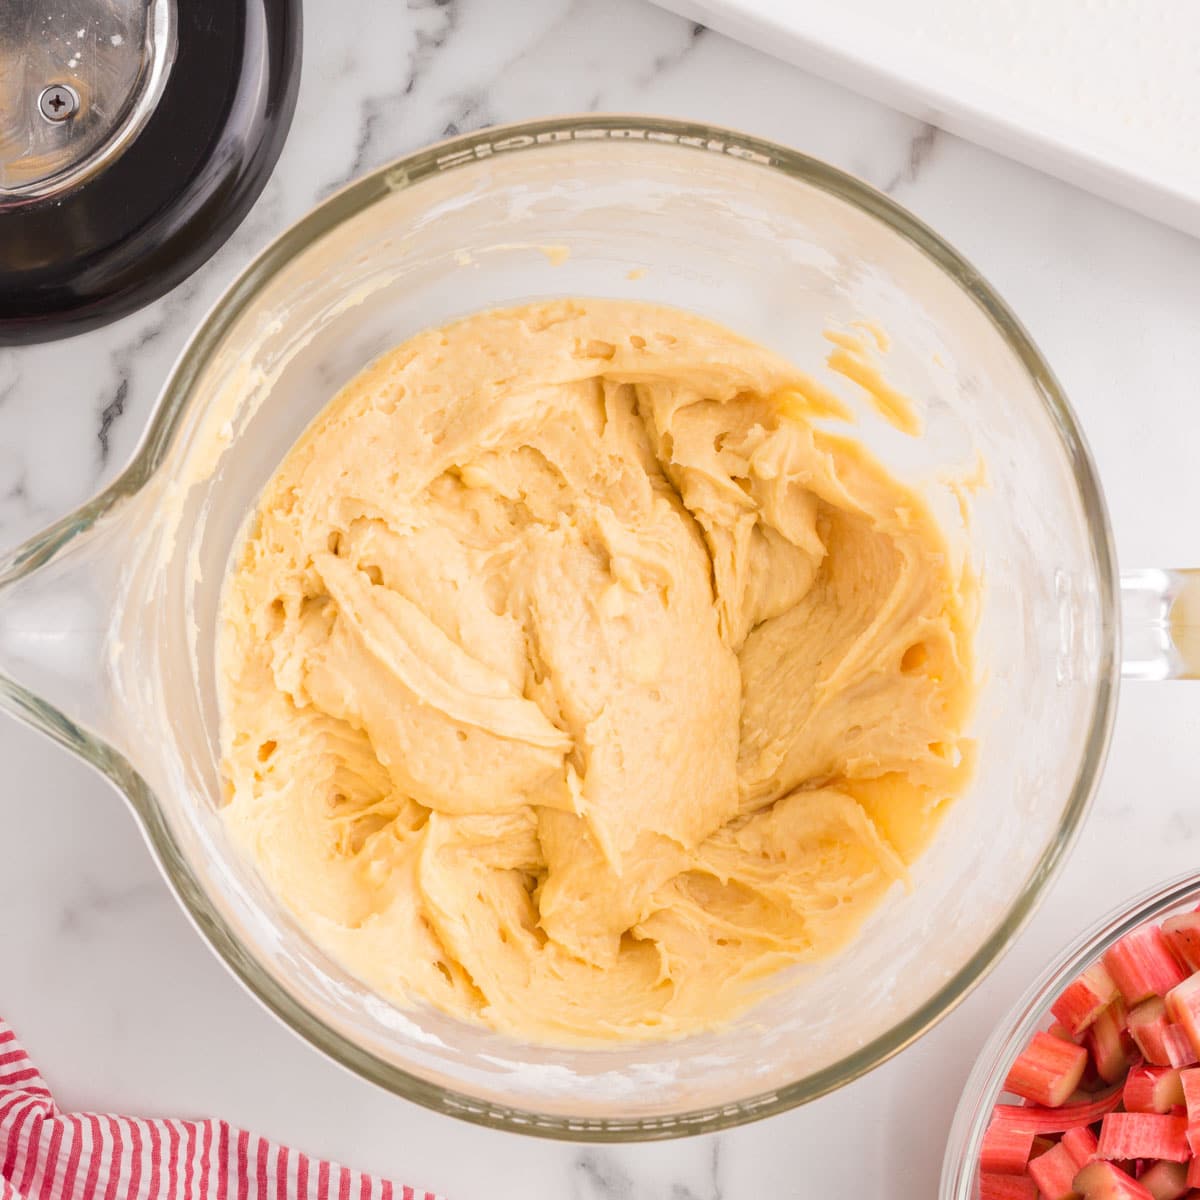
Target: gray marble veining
920,150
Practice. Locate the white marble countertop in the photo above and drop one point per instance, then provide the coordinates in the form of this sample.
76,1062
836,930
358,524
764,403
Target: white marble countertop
119,1000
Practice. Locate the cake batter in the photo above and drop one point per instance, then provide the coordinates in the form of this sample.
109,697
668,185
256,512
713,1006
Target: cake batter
574,682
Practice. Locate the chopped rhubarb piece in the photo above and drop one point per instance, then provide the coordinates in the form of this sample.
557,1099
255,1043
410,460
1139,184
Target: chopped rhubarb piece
1008,1187
1144,1135
1183,1005
1189,1082
1165,1180
1056,1120
1178,1047
1148,1025
1059,1030
1107,1042
1142,965
1005,1150
1183,936
1193,1179
1054,1173
1085,999
1047,1071
1081,1144
1105,1181
1152,1089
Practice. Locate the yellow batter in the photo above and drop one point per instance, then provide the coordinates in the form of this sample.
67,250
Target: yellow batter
573,682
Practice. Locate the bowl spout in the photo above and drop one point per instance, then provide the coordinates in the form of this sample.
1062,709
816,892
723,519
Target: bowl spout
58,599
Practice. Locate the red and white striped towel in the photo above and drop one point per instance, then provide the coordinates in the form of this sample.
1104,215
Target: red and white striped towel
49,1155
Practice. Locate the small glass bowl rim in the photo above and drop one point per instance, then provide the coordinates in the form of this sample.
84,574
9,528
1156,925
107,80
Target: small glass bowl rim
1028,1015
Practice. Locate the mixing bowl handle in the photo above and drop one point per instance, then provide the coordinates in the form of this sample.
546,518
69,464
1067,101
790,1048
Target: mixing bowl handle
1160,617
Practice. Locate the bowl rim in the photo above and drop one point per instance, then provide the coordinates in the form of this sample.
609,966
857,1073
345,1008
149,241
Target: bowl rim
985,1082
496,143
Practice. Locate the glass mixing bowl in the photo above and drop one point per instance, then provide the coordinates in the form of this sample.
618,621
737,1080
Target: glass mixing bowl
108,618
960,1171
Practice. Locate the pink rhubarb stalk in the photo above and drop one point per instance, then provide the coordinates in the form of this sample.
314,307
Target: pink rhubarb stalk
1142,965
1148,1026
1178,1047
1104,1181
1165,1180
1047,1071
1081,1144
1054,1173
1005,1150
1008,1187
1107,1041
1183,936
1036,1119
1144,1135
1193,1179
1189,1082
1152,1089
1085,999
1183,1005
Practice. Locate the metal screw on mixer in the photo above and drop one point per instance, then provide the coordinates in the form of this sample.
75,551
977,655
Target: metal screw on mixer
58,102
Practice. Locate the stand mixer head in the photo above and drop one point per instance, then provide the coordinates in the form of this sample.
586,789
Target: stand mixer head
134,137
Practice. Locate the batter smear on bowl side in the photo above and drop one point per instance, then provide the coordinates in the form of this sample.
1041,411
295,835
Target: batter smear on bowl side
575,683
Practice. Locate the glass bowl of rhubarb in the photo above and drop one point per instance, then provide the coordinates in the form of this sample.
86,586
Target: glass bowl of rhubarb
1091,1089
